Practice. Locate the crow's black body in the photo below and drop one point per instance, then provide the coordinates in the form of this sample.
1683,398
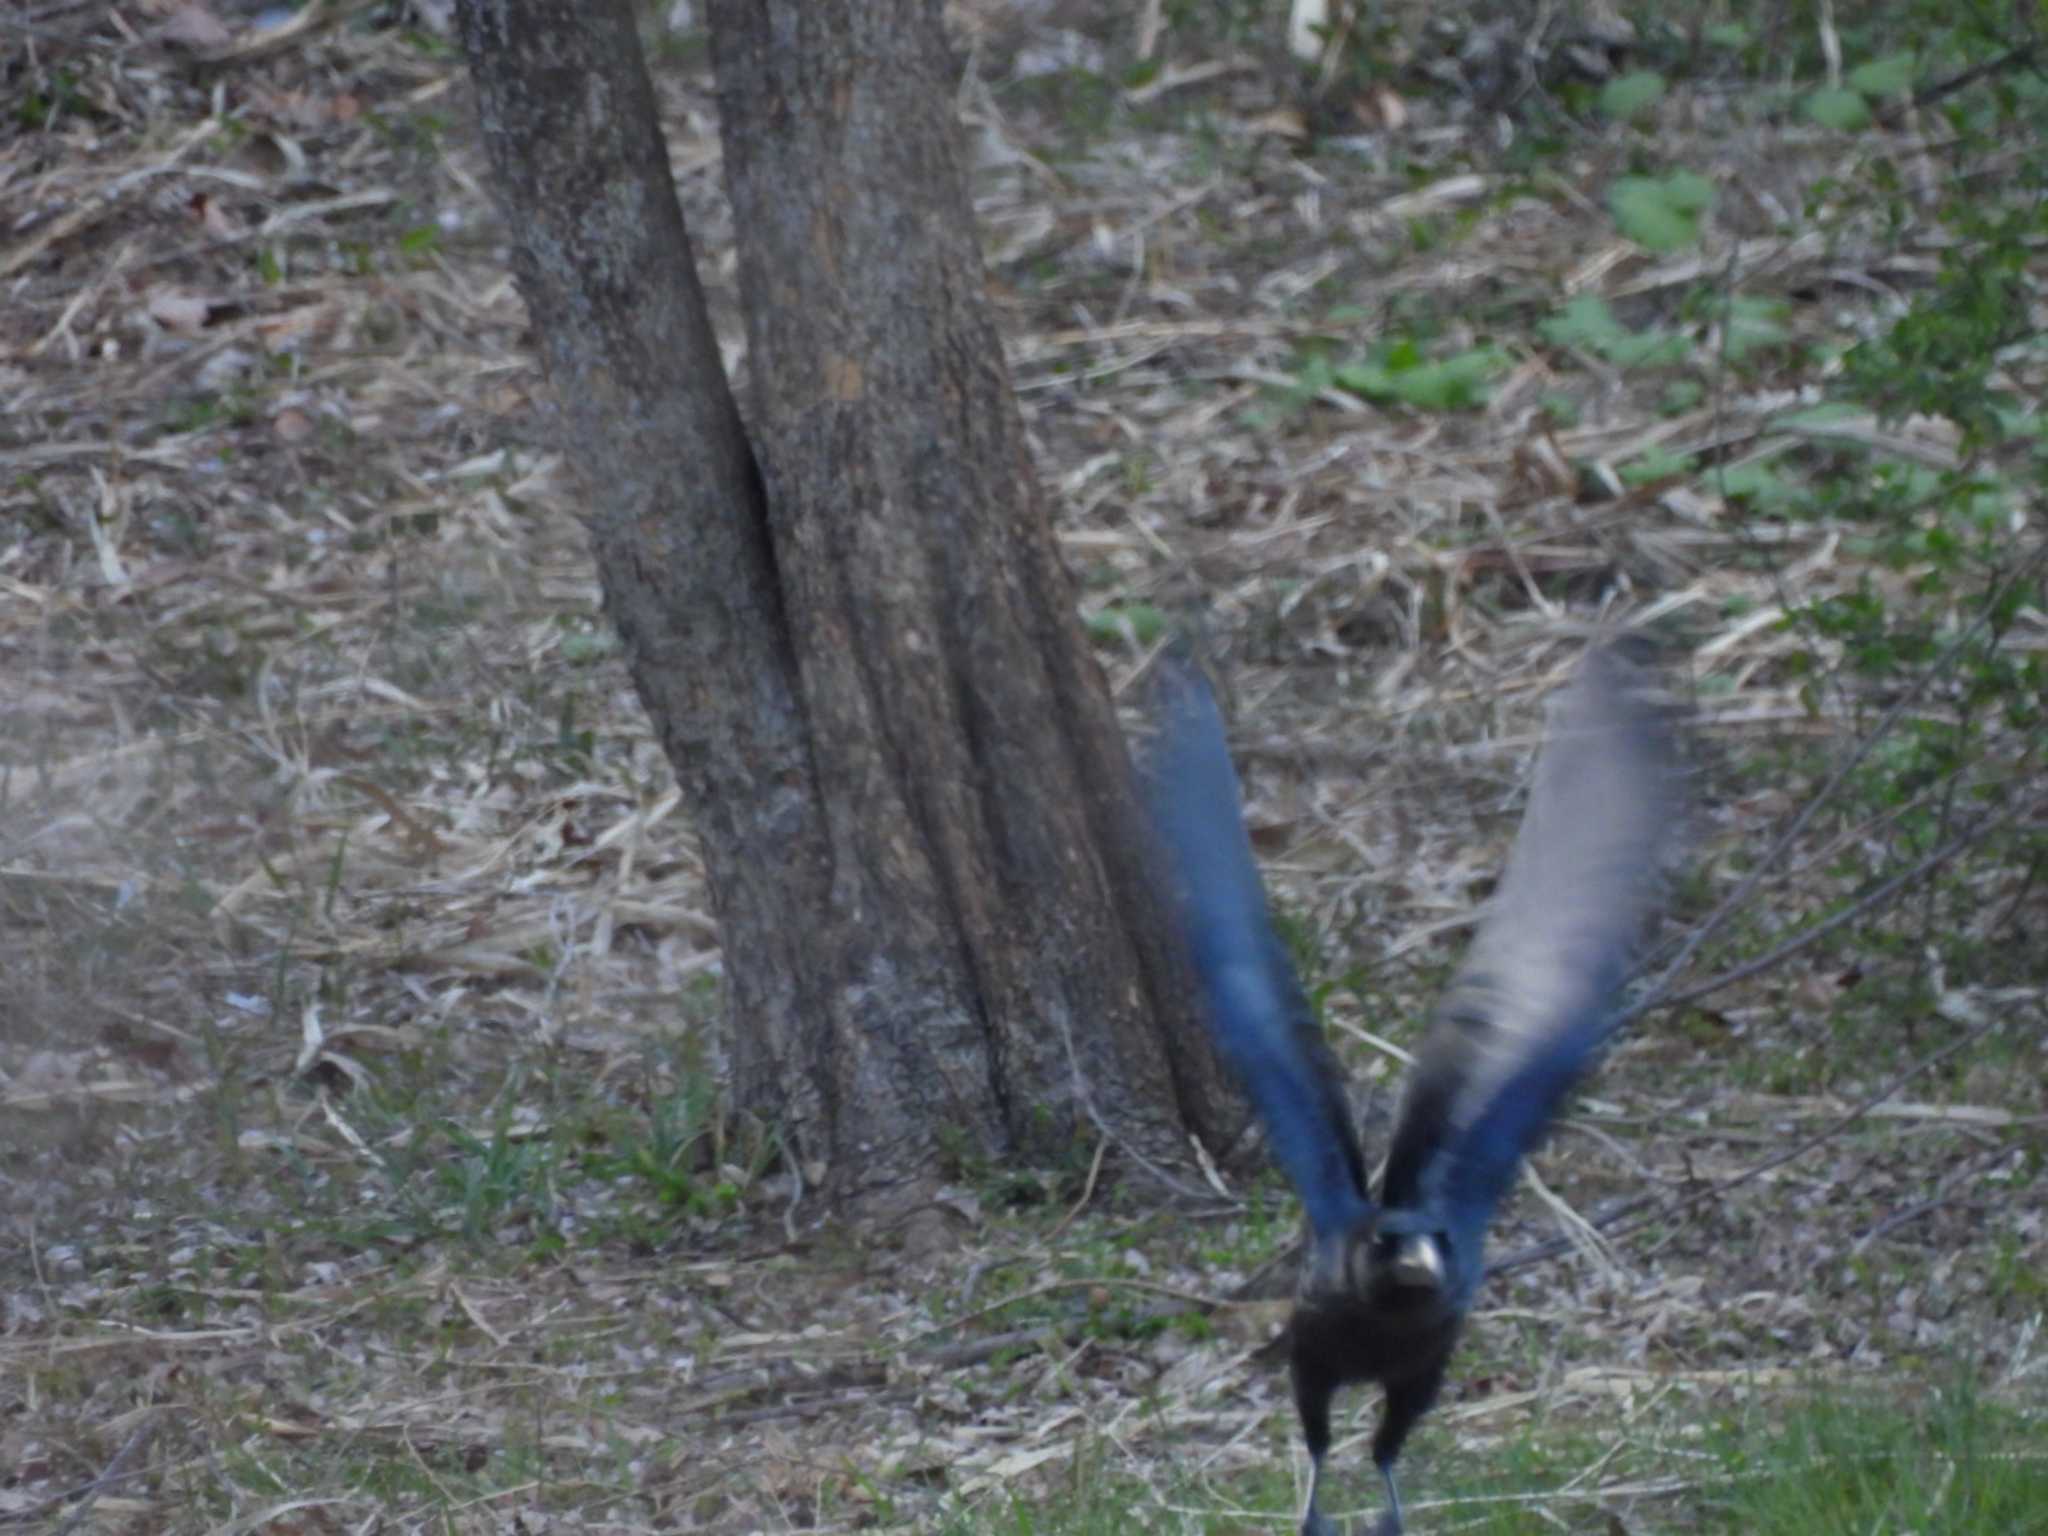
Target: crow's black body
1389,1281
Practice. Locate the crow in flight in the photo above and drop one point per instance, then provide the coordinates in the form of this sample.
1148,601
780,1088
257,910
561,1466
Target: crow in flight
1390,1278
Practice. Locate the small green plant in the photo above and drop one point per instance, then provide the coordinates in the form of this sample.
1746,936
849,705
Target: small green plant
585,641
60,98
663,1152
204,412
1589,324
1399,373
1655,464
508,1177
1752,325
420,242
1136,624
1632,95
1847,106
1661,213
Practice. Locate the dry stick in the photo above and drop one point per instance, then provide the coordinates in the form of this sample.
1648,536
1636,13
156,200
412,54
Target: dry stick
1087,1192
2015,58
976,1351
1660,990
1613,1219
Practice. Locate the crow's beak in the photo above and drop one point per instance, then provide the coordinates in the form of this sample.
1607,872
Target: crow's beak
1418,1263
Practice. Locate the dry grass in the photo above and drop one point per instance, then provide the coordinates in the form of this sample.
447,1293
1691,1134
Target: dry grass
353,938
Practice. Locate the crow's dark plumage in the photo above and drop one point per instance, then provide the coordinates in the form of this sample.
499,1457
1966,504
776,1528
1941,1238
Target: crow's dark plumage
1390,1279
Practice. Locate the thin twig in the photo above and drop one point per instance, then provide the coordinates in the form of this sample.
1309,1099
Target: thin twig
1087,1190
2017,58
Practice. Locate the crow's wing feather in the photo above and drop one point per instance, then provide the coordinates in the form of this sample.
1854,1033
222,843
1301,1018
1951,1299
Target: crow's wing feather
1535,997
1253,1002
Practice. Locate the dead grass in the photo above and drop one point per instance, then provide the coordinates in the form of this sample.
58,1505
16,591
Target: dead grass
354,939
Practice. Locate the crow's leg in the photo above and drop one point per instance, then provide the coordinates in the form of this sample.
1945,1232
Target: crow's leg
1407,1401
1312,1394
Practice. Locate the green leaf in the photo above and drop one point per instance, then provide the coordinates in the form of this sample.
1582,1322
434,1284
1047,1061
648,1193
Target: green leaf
1891,75
2017,422
1402,374
1754,323
1681,395
1142,622
1728,34
1588,323
1313,376
1660,213
581,647
1628,95
1842,109
1656,463
1827,413
1759,485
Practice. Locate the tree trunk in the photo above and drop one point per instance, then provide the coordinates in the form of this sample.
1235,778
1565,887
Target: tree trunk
851,625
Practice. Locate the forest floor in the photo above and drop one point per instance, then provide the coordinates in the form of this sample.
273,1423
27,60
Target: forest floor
361,1158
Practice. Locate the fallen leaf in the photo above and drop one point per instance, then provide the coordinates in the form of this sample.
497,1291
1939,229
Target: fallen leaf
177,309
212,217
1381,107
291,425
196,27
1284,121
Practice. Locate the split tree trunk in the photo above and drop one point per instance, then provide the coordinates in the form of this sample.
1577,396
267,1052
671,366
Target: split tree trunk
846,616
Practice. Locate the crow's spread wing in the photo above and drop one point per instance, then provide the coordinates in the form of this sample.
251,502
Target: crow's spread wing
1536,995
1253,1002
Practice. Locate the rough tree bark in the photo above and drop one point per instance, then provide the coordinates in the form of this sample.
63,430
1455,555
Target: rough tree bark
847,617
